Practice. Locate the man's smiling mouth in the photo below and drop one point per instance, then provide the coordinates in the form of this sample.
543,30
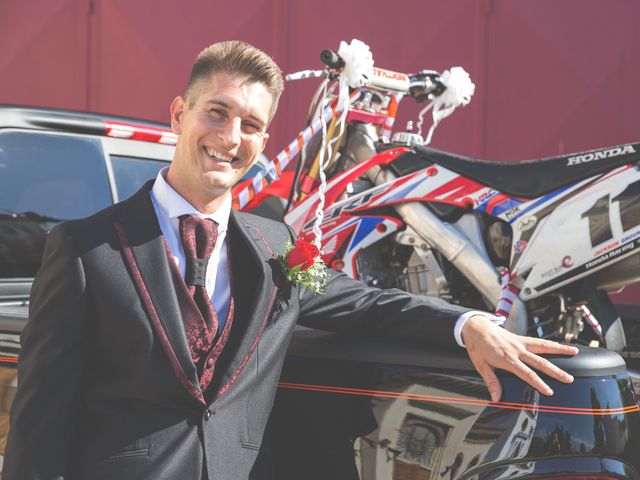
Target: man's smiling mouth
219,156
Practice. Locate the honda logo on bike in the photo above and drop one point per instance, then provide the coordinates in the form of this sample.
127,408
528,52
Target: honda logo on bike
599,155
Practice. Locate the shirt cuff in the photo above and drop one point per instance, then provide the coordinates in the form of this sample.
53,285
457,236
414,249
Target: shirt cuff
457,330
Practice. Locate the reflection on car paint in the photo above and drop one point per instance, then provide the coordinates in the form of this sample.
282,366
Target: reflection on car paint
394,423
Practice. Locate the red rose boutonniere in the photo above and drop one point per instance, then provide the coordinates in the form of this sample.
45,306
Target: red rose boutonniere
302,263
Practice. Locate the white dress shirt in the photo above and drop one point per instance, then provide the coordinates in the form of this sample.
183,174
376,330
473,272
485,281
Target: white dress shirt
169,206
457,331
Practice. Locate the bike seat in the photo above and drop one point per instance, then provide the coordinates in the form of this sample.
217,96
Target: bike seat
534,178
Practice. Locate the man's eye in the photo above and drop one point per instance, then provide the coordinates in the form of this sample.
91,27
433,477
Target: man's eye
217,112
251,127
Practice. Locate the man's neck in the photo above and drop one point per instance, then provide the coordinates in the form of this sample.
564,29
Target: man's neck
205,204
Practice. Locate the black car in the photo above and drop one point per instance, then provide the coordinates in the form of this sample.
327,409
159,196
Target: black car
347,407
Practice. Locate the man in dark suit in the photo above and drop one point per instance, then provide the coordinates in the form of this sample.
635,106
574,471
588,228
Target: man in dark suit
158,327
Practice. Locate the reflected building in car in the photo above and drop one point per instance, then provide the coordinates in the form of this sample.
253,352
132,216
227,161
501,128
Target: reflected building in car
416,431
379,409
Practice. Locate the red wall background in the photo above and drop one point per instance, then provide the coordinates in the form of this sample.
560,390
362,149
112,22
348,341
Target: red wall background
552,76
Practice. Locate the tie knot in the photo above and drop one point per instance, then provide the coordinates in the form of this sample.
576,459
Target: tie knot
198,236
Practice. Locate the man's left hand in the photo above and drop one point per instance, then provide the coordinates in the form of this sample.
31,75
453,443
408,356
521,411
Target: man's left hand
490,347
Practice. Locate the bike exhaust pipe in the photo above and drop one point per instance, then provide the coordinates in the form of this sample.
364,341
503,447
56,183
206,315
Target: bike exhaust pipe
461,253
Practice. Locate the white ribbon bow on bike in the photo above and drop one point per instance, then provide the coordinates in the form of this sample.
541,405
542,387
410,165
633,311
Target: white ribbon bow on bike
358,63
356,73
357,70
459,90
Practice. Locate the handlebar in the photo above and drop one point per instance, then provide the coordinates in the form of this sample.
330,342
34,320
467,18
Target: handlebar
331,59
419,86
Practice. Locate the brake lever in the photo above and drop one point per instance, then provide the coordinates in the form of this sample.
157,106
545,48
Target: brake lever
425,84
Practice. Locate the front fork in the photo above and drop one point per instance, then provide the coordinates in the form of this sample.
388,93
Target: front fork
596,314
602,309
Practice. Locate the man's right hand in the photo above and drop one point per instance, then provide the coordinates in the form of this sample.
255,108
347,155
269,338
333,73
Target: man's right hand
490,347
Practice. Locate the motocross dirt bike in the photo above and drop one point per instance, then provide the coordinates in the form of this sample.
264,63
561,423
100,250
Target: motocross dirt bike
541,242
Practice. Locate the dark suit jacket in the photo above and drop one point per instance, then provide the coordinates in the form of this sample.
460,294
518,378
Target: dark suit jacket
107,388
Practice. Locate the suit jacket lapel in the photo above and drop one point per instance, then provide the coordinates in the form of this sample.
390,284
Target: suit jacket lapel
144,251
254,287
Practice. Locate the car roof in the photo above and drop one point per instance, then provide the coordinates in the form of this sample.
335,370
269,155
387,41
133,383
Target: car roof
71,121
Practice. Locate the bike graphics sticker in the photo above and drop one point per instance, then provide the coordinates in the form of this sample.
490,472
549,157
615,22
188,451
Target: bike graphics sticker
611,255
600,155
595,226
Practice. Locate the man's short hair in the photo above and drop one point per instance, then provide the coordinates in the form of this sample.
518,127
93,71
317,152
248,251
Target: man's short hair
235,57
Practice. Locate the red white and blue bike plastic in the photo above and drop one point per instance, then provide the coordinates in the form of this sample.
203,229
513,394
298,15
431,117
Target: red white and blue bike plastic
557,238
541,242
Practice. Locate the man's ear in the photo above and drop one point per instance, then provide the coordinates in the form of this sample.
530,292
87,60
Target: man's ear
177,109
265,137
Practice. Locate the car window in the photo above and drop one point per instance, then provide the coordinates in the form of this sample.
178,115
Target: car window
44,179
131,173
56,176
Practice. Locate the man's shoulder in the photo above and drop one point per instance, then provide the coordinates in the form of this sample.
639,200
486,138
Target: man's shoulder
100,225
85,231
273,231
252,220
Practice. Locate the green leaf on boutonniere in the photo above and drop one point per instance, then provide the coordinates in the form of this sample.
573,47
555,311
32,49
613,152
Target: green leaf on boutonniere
302,263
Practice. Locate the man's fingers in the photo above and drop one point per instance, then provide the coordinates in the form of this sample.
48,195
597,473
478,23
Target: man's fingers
546,367
523,372
490,379
539,345
491,347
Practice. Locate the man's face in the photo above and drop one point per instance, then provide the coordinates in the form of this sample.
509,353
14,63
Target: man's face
221,136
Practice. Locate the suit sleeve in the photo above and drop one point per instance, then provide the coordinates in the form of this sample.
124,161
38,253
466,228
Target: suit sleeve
351,306
51,367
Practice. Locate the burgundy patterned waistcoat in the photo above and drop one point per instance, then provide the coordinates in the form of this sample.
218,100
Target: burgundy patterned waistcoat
205,346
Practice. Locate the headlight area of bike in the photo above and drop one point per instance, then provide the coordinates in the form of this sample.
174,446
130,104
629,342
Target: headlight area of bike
558,315
498,239
548,315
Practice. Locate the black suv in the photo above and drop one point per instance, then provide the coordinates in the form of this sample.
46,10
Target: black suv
347,408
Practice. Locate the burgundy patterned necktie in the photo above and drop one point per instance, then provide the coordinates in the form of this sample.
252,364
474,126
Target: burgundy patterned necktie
199,236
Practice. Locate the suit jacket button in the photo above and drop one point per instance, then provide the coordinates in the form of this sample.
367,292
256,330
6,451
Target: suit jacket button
210,362
207,415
